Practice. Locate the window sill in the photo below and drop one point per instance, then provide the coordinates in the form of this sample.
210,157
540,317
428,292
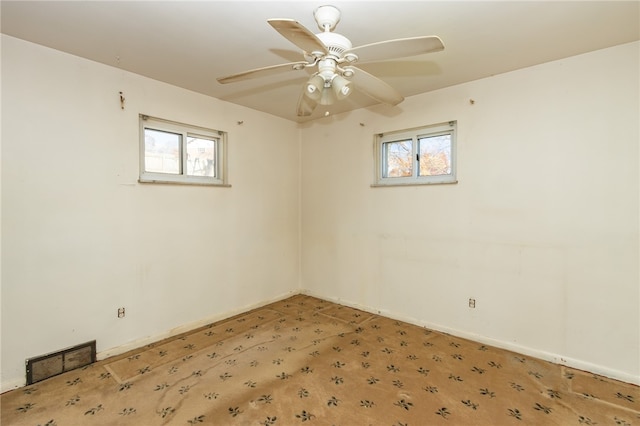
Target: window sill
383,185
183,182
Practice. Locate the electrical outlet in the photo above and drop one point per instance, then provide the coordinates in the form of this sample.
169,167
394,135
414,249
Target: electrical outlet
472,303
120,312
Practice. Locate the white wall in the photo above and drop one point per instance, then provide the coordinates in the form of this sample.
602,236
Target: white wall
542,228
80,236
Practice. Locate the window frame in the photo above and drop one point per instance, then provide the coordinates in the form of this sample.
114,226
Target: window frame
185,130
414,135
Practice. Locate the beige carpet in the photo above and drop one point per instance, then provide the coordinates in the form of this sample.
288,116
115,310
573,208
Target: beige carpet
308,361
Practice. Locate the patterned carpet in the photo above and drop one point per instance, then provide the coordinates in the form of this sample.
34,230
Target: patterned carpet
308,361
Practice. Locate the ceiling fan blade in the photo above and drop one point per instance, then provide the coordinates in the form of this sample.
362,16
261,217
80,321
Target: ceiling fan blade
399,48
306,105
374,87
263,72
297,34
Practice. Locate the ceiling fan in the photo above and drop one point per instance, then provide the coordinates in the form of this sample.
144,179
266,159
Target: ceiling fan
334,56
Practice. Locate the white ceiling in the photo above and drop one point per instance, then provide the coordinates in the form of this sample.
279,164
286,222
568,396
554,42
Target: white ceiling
190,43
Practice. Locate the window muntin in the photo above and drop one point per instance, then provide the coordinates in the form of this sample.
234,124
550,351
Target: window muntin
172,152
416,156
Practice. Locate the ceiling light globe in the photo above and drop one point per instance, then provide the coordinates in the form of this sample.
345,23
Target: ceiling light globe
327,97
341,87
314,87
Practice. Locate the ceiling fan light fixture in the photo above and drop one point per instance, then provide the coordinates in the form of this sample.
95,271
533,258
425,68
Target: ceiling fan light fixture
328,97
341,87
314,87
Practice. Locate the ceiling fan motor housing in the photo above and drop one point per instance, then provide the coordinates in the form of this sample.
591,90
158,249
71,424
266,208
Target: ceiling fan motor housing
336,43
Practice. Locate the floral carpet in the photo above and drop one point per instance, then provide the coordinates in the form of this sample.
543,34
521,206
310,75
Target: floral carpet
308,361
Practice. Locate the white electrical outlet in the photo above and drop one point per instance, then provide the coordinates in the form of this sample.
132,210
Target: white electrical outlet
472,303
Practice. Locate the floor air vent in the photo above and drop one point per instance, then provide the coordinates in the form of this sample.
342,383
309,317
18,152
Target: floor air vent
55,363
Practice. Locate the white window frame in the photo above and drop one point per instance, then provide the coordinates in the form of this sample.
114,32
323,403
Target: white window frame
185,130
380,160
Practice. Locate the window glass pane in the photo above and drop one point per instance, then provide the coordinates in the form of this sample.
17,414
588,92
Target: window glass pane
435,155
161,151
201,156
398,159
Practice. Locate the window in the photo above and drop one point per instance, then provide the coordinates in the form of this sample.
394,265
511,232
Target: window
178,153
417,156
